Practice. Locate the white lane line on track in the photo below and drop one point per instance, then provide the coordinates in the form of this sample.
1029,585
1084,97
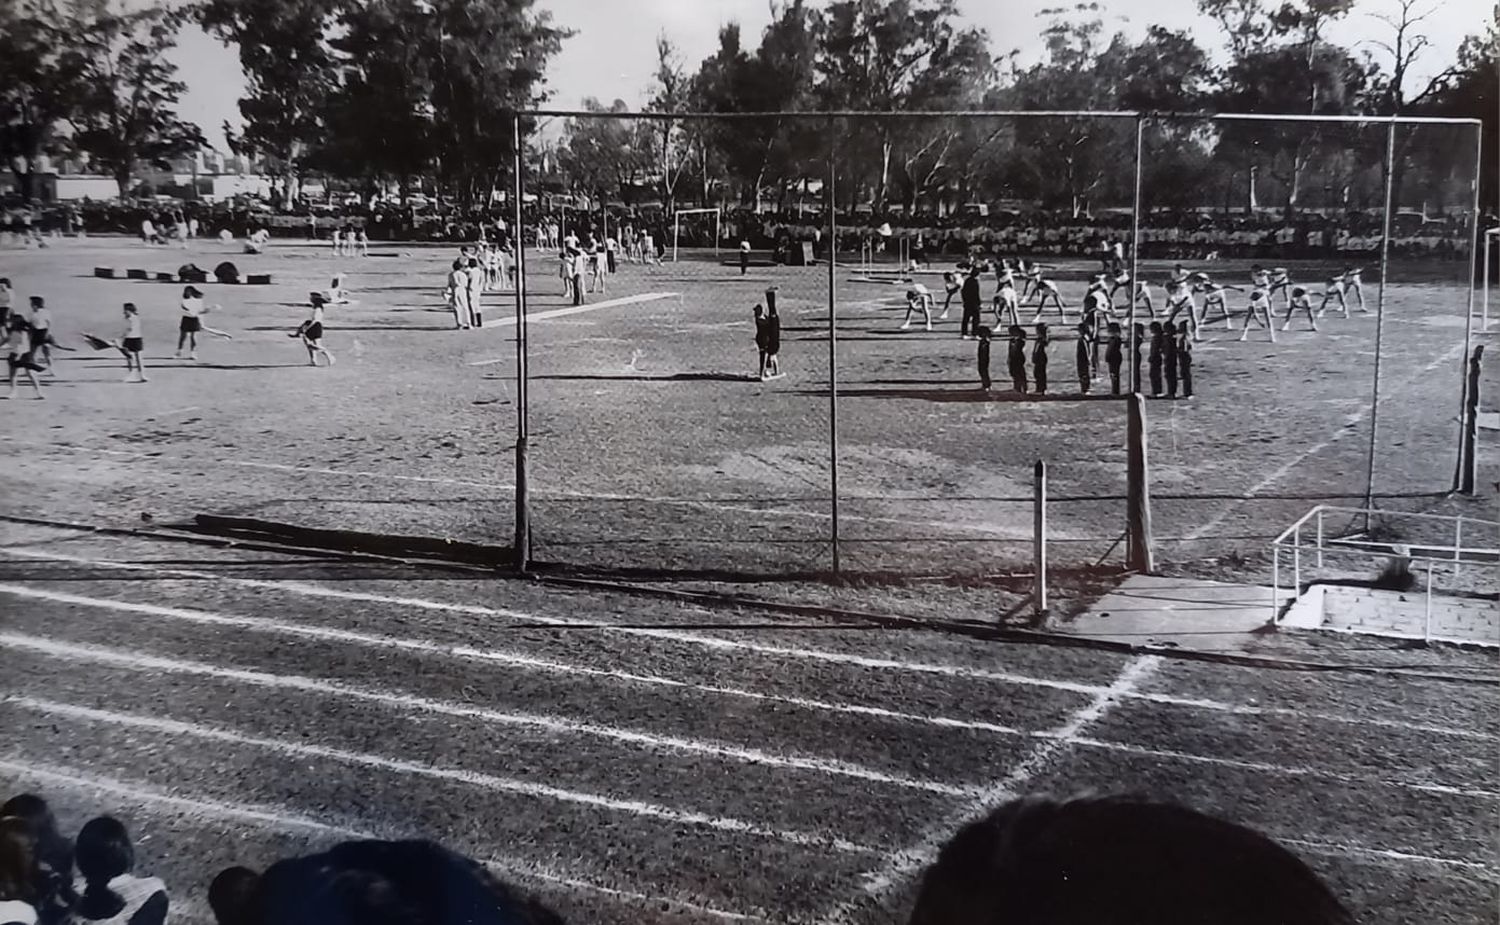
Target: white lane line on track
901,865
1384,855
279,819
317,591
147,662
477,779
518,660
136,661
1208,526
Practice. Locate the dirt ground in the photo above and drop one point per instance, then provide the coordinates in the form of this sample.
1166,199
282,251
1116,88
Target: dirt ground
654,450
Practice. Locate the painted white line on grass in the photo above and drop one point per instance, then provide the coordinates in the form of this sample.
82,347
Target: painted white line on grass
901,865
1281,471
136,661
510,320
478,779
284,820
317,591
516,660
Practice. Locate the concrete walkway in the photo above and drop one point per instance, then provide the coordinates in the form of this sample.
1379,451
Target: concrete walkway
1182,613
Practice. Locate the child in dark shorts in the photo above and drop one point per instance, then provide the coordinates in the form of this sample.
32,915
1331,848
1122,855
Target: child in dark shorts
131,344
311,332
762,339
18,355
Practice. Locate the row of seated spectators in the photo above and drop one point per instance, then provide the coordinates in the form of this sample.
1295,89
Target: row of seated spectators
1121,860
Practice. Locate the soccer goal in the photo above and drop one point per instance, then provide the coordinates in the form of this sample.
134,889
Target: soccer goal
677,215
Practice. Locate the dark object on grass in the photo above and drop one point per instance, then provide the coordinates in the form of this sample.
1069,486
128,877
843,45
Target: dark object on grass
227,272
374,883
1118,861
1396,574
192,273
104,272
135,274
258,279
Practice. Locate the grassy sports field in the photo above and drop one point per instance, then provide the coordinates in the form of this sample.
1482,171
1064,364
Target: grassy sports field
654,447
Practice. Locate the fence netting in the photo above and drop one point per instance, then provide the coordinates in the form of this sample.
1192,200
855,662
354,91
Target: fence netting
674,430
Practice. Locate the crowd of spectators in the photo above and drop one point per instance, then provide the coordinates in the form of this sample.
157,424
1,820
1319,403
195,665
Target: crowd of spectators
1163,235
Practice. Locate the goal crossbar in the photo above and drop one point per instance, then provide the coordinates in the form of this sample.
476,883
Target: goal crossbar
677,215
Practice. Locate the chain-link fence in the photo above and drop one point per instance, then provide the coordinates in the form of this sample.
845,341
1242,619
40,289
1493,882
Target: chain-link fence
753,344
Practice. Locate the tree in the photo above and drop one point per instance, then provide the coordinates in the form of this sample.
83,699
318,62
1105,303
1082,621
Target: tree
289,73
487,59
41,83
670,141
901,55
600,156
126,115
378,124
1472,91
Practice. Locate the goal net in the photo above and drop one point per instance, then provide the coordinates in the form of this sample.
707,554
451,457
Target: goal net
695,219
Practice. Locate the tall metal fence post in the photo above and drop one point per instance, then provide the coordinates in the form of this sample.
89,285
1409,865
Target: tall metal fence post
1474,244
523,497
1135,249
1039,541
1137,490
833,355
1385,264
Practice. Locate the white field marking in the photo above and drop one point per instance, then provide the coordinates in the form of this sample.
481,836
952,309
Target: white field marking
309,590
1386,854
136,661
1279,769
1281,471
478,779
282,820
902,864
695,639
163,414
515,660
976,528
510,320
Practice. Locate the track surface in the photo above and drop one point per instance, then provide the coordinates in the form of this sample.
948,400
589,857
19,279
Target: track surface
649,762
651,449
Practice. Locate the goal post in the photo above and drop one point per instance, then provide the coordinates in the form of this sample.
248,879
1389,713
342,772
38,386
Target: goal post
677,215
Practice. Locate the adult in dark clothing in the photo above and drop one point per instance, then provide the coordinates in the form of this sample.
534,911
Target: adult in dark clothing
1085,357
1169,346
1154,357
762,339
984,357
1039,358
1017,358
972,304
773,339
1185,362
1114,355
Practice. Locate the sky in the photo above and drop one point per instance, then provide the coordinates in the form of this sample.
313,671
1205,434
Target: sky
614,53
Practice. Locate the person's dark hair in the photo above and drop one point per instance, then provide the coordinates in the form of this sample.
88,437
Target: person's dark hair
1156,327
103,853
231,896
1118,859
17,860
38,302
190,292
51,847
5,280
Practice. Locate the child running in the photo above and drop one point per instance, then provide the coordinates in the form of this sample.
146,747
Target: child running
191,322
311,332
19,356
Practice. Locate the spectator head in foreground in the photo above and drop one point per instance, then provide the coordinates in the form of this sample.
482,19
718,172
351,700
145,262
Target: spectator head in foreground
105,859
1121,861
29,816
18,894
373,883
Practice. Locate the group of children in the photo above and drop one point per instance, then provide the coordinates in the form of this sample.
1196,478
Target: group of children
1169,358
350,242
478,269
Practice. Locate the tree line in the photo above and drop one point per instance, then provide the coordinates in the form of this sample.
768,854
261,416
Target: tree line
388,91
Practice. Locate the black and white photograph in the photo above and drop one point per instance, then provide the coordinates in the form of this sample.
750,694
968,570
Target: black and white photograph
750,462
